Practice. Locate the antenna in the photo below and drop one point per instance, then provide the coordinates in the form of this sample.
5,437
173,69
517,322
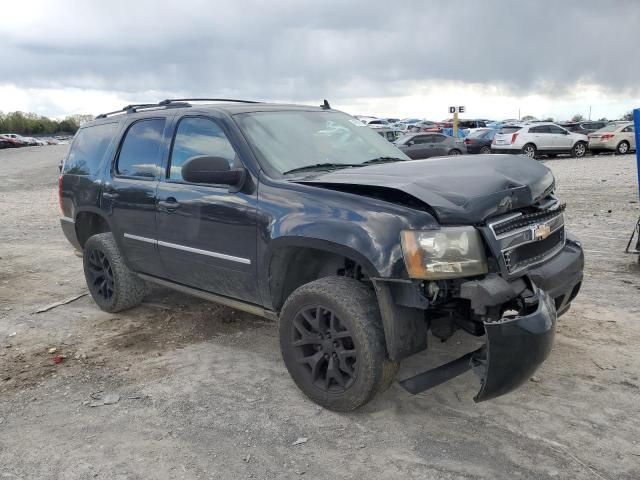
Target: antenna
325,105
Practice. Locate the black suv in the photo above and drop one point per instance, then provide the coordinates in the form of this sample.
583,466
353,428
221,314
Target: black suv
305,215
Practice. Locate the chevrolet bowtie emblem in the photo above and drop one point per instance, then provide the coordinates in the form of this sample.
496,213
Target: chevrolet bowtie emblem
540,232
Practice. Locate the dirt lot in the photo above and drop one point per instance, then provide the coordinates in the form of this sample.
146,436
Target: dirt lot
203,392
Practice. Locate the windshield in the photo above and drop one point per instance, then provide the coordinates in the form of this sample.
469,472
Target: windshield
290,140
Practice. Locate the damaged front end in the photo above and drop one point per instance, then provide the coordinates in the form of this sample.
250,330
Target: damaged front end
517,342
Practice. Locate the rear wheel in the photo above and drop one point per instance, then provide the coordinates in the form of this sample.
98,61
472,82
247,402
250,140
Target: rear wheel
579,150
333,345
529,150
111,284
485,149
454,151
623,147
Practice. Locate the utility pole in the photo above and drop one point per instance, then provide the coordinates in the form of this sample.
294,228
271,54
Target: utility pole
589,112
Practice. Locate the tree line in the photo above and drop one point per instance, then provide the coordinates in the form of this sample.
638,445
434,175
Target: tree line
33,124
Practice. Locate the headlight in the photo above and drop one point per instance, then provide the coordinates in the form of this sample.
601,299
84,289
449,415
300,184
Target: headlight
450,252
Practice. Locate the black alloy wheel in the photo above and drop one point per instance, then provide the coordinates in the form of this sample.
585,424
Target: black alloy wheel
101,275
325,346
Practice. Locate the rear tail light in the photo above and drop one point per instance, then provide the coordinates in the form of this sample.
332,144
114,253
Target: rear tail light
493,142
607,136
513,138
60,194
467,141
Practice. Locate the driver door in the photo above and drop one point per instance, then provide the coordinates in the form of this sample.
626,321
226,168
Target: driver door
207,234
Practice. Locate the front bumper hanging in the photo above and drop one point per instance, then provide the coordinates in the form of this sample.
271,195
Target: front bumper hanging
514,348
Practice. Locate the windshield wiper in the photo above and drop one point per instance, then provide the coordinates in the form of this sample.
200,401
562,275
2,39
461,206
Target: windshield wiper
320,166
383,160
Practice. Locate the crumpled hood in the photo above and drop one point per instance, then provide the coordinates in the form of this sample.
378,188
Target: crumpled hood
460,189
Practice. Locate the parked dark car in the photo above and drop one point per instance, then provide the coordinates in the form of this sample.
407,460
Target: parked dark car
302,215
426,145
584,127
479,141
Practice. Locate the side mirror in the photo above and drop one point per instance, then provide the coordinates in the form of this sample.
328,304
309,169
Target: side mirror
213,170
410,143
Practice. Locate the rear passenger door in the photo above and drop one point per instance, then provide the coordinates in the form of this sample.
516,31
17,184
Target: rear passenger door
129,194
438,145
206,233
541,137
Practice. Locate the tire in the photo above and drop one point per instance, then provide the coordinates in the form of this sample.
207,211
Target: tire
454,152
333,344
529,150
579,150
485,149
623,148
112,285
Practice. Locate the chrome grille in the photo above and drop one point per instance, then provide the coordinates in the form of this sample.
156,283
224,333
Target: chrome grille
526,239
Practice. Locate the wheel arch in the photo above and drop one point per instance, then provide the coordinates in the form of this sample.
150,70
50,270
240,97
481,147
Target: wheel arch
90,222
318,257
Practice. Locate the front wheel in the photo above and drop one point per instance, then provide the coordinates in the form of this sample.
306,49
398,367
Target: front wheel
623,147
454,152
333,344
112,285
579,150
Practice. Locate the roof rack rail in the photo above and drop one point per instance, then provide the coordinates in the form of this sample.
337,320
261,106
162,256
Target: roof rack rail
172,100
135,107
169,102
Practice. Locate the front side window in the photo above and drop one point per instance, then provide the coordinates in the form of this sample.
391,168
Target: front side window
421,139
292,139
140,151
195,137
557,130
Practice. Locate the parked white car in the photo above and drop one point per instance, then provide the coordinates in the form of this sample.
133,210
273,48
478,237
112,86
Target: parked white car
615,137
539,139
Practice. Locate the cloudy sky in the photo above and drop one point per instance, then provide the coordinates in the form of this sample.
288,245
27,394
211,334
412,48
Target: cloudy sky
390,58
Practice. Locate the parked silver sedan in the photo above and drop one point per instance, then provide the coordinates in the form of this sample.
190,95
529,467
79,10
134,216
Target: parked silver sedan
425,145
615,137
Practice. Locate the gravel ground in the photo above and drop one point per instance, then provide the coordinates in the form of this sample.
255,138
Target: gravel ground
203,392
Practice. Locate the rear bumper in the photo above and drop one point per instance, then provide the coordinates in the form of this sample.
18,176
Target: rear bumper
506,149
69,230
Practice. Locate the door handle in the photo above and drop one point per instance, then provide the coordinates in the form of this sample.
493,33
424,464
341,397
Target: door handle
109,195
169,205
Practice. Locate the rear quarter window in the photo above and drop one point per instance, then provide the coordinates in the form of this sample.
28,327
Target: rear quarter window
88,149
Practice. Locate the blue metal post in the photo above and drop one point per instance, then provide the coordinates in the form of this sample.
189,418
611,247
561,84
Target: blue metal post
636,121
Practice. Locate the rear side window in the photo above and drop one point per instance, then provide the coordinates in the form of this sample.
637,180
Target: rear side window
505,130
197,136
140,151
88,148
628,129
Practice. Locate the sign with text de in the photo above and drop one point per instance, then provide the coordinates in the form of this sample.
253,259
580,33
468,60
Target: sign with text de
459,109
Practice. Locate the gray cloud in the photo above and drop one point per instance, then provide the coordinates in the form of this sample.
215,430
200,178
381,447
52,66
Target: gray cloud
300,50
